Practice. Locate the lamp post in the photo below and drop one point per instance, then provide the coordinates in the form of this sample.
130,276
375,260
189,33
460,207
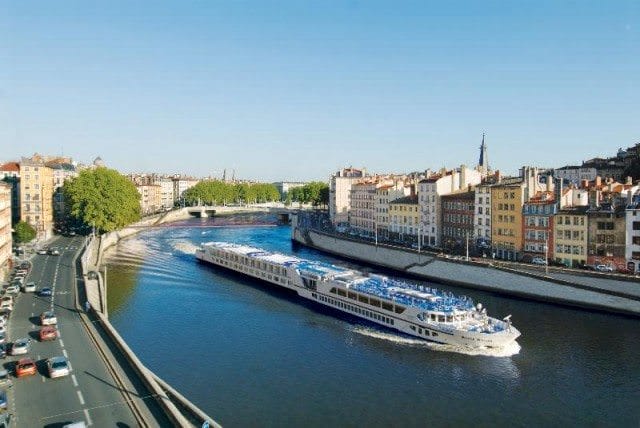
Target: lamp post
419,237
546,255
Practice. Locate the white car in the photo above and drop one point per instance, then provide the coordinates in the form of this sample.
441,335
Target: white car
539,261
29,287
604,268
6,304
20,346
42,251
12,289
58,367
48,318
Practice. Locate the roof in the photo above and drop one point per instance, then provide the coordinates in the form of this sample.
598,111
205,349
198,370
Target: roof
409,200
10,166
464,195
579,210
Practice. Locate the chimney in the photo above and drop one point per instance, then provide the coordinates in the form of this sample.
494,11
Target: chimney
584,184
598,181
629,180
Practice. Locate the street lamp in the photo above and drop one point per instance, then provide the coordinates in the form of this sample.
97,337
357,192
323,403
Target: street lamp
546,255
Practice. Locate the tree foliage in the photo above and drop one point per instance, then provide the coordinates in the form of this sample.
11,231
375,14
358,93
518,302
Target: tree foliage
23,232
216,192
102,197
315,193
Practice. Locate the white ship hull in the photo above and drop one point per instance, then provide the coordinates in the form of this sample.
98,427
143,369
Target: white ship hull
329,293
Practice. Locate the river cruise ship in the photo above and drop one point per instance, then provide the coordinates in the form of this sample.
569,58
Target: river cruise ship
415,310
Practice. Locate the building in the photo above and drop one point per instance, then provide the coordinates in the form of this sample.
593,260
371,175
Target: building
607,233
166,192
362,214
340,193
6,244
404,219
63,170
284,187
181,185
457,221
384,195
575,174
632,239
538,226
150,198
36,195
10,174
430,191
570,236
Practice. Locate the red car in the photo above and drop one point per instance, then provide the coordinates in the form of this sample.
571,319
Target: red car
48,333
25,367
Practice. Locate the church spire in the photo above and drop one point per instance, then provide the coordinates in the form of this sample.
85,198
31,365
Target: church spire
483,163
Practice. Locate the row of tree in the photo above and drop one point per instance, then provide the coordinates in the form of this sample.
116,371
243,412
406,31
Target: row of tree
315,193
216,192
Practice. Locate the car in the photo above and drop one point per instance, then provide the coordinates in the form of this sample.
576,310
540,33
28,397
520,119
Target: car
5,379
604,268
3,321
48,333
12,289
53,252
7,298
539,261
42,251
3,338
20,346
45,292
29,287
48,318
58,367
25,367
4,403
6,304
25,265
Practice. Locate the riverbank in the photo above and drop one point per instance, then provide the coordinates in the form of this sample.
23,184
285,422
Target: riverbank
475,275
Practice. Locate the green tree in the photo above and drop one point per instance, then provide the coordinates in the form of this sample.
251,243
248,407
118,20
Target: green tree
102,198
23,232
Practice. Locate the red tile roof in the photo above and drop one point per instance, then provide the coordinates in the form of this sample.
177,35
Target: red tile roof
10,166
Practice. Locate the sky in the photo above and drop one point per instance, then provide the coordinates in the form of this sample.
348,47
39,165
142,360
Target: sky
295,90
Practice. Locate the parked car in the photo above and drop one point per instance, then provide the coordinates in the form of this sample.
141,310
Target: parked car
538,261
48,333
45,292
53,252
604,268
48,318
58,367
42,251
5,379
20,346
3,350
12,289
29,287
4,402
3,338
25,265
6,304
25,367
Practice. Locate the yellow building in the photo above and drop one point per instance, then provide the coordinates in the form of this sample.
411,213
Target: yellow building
36,195
5,229
404,218
507,200
570,233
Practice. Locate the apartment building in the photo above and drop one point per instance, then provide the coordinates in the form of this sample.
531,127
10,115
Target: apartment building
5,229
340,193
36,195
538,221
457,220
10,174
404,218
607,234
362,214
150,198
431,190
181,185
570,233
632,226
385,194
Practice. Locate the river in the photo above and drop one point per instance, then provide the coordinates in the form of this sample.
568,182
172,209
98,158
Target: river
253,355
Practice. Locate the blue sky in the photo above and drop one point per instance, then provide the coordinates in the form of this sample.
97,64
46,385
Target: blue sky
294,90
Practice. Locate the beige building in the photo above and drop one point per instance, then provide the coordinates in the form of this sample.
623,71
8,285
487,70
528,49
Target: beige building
150,198
570,231
340,193
36,195
384,196
362,214
404,218
5,229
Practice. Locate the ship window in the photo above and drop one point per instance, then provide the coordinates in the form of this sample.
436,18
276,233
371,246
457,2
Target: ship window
392,321
387,306
433,333
399,309
374,302
352,295
363,299
449,318
433,317
315,296
413,327
420,330
342,293
333,290
440,318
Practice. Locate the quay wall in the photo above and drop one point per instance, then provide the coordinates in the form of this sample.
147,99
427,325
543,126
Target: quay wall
482,276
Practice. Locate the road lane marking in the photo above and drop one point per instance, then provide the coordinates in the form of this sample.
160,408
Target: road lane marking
61,342
80,397
64,352
74,380
69,364
86,415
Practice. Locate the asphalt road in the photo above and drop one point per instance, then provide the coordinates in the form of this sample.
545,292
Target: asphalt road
89,393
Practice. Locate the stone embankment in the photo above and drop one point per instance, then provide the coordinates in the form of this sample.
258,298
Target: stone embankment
563,290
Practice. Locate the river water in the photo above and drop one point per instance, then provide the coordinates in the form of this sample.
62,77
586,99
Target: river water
253,355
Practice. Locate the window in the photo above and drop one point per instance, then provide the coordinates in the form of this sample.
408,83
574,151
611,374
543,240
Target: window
636,225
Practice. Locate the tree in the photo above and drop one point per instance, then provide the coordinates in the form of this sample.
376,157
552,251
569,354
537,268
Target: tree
102,198
210,192
24,232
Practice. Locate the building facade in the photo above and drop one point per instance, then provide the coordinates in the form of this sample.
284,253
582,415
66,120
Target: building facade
570,236
150,198
340,193
507,200
538,222
404,219
482,215
607,235
385,194
457,221
362,214
632,226
36,195
10,174
6,243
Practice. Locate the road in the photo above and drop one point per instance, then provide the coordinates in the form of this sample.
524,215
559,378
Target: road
90,393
